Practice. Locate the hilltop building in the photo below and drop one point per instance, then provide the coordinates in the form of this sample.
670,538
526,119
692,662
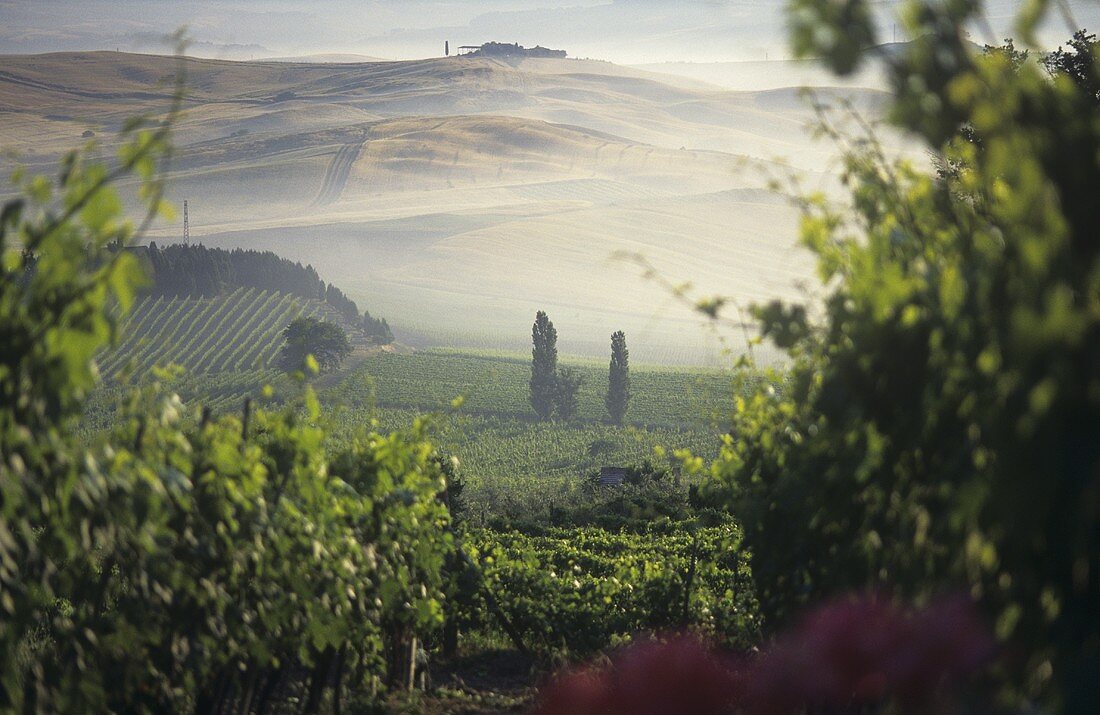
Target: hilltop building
502,49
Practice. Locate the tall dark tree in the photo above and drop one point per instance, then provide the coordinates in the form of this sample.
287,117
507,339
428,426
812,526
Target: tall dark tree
618,379
567,385
326,342
544,366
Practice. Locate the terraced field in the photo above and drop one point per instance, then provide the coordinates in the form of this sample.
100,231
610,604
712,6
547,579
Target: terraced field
233,333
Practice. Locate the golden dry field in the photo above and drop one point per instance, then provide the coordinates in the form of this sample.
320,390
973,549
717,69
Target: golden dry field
458,195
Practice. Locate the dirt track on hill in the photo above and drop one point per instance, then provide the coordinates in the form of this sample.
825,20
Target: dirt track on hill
337,175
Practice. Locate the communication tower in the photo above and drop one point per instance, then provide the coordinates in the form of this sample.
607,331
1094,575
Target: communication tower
186,226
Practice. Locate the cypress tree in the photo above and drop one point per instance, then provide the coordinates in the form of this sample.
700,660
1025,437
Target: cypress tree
618,379
544,366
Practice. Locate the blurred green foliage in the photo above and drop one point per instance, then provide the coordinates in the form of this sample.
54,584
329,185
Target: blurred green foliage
179,562
940,424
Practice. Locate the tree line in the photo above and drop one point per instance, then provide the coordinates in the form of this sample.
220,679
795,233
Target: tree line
197,271
554,389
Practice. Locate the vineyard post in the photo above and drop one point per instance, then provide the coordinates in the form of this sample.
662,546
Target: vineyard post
250,688
244,419
270,686
413,644
686,615
494,606
341,663
139,437
318,679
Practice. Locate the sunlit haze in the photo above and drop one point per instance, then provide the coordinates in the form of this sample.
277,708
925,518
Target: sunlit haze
561,357
620,31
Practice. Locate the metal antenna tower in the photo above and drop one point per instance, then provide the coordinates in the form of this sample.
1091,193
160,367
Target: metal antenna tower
186,226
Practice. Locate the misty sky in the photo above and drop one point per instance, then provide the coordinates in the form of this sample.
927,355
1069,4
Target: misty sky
624,31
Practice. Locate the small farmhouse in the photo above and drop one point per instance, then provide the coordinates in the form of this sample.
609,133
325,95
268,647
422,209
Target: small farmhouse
612,476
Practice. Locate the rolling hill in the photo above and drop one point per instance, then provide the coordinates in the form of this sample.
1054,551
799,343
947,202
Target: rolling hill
213,311
458,195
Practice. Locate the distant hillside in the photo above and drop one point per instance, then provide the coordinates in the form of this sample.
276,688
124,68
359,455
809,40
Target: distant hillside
196,271
330,58
757,75
765,74
231,333
216,311
266,108
458,195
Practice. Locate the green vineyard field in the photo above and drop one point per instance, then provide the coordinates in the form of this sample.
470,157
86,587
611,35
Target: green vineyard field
497,385
238,332
522,470
576,590
516,467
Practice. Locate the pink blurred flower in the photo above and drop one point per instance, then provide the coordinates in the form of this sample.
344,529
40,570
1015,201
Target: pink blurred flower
583,691
681,675
846,654
867,650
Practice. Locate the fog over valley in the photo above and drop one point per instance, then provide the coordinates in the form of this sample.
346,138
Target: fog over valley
458,194
558,357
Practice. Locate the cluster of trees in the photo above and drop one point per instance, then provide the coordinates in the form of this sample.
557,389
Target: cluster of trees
554,389
196,271
345,306
377,329
1075,64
